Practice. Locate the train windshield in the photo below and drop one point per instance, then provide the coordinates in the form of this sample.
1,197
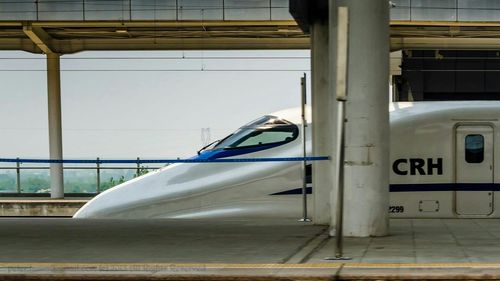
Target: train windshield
267,130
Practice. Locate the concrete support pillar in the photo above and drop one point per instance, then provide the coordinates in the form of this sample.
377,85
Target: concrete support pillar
55,128
367,128
324,107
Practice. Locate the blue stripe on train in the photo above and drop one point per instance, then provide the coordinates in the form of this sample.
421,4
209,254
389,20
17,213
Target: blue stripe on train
223,153
294,191
419,187
444,187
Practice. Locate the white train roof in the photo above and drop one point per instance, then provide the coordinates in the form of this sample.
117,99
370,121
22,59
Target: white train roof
460,110
401,110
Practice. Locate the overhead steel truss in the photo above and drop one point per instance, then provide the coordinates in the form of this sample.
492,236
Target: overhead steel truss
71,37
65,37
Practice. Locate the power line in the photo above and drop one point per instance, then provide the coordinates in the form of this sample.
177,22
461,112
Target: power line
451,70
202,41
158,70
116,130
200,58
168,58
453,58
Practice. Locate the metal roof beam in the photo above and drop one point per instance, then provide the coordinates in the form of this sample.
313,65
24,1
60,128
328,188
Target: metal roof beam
40,37
72,46
18,44
429,43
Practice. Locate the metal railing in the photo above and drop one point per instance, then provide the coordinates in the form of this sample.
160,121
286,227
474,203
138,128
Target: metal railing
137,167
98,167
140,169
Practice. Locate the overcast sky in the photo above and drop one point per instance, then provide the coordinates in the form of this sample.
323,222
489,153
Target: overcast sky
150,114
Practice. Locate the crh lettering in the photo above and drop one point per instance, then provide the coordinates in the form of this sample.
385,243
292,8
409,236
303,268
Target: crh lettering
418,166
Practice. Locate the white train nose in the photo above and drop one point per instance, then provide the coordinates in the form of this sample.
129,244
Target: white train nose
116,202
105,204
182,190
93,209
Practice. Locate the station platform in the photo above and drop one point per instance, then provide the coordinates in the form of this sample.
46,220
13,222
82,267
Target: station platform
417,249
40,207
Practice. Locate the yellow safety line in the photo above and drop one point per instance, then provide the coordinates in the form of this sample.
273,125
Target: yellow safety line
178,266
17,201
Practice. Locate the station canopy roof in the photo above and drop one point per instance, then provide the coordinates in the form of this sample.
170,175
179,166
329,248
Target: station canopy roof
69,26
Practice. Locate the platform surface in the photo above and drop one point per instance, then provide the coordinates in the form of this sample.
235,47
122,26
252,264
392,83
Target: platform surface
151,241
67,249
40,207
426,241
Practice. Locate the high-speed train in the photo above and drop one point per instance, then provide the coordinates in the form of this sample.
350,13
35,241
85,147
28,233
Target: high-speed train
442,165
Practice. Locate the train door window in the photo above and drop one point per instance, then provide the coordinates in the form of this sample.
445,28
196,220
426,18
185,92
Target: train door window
474,148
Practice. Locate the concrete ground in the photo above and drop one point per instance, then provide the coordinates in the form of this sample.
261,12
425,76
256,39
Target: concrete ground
425,241
267,249
152,241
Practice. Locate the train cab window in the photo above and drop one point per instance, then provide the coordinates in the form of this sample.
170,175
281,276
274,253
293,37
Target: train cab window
267,130
474,148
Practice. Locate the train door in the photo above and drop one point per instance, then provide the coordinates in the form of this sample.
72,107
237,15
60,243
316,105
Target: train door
474,168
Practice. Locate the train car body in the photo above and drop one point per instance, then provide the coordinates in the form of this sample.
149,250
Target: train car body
442,166
443,159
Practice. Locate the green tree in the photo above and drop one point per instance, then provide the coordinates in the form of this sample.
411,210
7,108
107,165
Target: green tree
34,184
142,171
7,183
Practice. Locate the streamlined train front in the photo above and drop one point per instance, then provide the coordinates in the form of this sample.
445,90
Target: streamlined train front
215,190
